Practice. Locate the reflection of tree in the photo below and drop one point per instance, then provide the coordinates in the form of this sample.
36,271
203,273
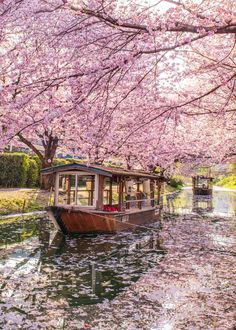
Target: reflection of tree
179,201
86,270
18,231
44,237
126,266
70,262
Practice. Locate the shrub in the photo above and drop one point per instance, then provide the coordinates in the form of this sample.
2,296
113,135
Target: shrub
22,170
33,174
64,161
228,181
176,183
13,169
60,161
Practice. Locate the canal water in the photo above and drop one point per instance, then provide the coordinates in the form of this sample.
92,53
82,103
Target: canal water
42,269
222,203
44,275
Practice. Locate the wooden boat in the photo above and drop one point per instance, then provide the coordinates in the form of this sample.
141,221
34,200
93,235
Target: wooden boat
202,185
98,199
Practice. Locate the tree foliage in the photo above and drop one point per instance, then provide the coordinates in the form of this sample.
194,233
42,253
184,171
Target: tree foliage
148,83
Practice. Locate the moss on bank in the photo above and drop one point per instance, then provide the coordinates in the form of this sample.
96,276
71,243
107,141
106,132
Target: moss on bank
22,200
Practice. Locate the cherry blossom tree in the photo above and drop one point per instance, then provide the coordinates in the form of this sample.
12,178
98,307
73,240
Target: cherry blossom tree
149,83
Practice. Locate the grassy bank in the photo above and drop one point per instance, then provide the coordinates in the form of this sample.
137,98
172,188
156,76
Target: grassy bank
22,200
228,181
175,184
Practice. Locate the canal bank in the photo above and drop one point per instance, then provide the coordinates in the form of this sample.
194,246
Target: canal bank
17,201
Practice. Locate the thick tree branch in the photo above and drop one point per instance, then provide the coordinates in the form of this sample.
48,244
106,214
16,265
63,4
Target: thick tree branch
176,27
30,145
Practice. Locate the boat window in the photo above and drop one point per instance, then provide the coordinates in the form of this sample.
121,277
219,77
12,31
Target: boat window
138,194
115,193
107,191
67,189
85,190
76,189
203,183
110,192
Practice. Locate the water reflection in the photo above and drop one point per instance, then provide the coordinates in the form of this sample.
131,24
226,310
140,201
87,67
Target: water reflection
105,265
40,267
202,204
16,233
223,202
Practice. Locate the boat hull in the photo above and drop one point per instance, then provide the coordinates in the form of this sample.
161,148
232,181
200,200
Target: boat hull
202,191
71,221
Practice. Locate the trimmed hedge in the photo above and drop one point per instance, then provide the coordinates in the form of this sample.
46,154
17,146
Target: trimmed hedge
33,174
13,169
18,170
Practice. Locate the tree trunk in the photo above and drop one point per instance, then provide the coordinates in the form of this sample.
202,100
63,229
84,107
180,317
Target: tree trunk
50,144
50,148
46,181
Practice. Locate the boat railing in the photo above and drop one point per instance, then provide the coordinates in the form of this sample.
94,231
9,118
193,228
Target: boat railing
139,203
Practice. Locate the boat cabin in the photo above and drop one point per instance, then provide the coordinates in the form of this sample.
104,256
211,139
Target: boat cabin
95,190
202,185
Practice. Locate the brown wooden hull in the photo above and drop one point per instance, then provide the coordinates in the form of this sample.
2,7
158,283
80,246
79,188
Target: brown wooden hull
84,222
202,191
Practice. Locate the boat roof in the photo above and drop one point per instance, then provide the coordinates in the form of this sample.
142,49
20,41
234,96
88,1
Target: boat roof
203,177
99,169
